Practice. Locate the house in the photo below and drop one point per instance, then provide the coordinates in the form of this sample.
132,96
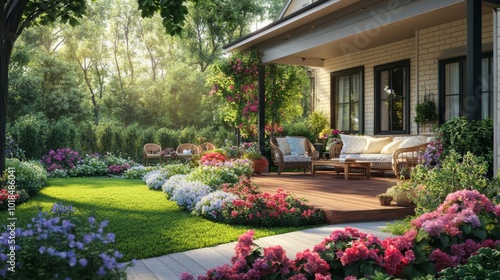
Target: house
374,60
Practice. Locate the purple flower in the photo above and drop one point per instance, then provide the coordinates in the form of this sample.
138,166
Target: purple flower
83,262
72,262
41,250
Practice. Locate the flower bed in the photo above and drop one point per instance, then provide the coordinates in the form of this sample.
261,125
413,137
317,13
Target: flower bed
463,224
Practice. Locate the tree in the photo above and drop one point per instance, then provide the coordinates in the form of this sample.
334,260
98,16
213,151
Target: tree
17,15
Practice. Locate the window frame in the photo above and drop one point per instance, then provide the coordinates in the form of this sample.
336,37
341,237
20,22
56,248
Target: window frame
406,64
359,70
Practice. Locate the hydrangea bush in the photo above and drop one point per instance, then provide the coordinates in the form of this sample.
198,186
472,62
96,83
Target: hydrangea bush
62,159
462,227
59,245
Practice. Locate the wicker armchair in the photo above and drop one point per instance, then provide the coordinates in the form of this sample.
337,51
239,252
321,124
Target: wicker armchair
279,157
151,151
207,146
407,158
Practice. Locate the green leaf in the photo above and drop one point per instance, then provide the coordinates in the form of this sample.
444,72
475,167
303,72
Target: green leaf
467,229
445,239
480,233
422,234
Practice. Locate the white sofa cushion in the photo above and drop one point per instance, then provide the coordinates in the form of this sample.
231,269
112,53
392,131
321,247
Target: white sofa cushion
375,145
284,146
413,141
368,157
390,148
352,144
296,158
297,145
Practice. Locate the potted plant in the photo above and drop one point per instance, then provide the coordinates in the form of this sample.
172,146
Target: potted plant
402,193
260,164
426,110
384,199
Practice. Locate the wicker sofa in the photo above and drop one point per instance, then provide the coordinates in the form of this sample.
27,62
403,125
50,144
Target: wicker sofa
387,153
292,152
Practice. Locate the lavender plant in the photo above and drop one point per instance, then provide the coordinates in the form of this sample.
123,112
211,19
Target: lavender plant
59,245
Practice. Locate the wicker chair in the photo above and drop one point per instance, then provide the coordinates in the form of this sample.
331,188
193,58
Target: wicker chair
187,146
279,158
151,151
404,159
207,146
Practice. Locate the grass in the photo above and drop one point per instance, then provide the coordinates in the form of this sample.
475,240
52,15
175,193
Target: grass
146,224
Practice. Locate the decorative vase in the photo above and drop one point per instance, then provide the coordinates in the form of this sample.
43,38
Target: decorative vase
402,198
260,165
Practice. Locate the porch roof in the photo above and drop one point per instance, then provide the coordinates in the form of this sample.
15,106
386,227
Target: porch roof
328,29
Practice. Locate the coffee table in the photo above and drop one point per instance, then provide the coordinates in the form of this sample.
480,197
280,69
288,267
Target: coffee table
342,165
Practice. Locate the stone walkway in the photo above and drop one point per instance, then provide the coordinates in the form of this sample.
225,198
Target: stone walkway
196,262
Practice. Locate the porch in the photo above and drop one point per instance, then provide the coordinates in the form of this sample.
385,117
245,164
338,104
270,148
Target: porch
344,201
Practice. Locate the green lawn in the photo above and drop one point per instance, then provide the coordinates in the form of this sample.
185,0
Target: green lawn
146,224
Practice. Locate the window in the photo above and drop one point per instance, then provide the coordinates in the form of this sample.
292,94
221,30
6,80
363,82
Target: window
347,100
392,91
452,86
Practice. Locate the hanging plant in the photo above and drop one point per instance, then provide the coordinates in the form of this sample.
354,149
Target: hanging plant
426,110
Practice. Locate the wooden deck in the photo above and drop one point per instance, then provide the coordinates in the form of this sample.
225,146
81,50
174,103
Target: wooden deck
344,201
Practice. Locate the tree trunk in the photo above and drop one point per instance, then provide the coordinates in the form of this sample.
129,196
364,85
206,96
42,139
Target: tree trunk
5,51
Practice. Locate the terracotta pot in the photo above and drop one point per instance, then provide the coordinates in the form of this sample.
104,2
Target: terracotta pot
260,165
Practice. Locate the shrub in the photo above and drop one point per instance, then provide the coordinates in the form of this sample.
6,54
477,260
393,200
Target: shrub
212,204
59,245
456,173
215,176
188,193
138,171
177,168
60,159
465,136
30,176
30,132
155,179
171,183
483,265
12,150
91,165
212,158
62,133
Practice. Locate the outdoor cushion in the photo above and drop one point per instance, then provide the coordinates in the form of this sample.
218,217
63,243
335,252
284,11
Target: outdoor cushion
413,141
368,157
296,158
352,144
297,145
390,148
284,146
375,145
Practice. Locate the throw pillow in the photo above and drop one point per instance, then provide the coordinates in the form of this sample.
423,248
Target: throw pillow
375,145
352,144
296,145
413,141
284,146
390,148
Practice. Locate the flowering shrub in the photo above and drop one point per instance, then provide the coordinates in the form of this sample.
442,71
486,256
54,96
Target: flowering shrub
138,171
188,193
432,155
118,169
265,209
63,159
233,152
172,183
58,245
211,205
91,165
4,198
155,179
224,172
351,253
460,231
212,158
31,176
12,149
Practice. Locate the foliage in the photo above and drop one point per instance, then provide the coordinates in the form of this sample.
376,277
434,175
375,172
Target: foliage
317,122
187,193
426,110
13,150
60,245
465,136
91,165
483,265
155,179
456,173
31,177
137,172
235,83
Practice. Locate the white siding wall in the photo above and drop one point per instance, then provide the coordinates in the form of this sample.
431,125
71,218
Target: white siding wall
432,44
